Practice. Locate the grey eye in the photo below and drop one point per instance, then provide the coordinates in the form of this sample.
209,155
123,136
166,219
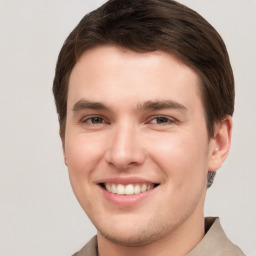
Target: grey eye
160,120
96,120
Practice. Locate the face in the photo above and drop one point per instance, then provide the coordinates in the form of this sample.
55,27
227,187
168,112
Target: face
136,143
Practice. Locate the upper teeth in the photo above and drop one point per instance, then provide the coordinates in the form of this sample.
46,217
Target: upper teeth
129,189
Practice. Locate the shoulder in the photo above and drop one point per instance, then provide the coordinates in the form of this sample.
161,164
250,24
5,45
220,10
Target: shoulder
90,249
215,242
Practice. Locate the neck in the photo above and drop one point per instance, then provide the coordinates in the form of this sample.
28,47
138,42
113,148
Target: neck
179,242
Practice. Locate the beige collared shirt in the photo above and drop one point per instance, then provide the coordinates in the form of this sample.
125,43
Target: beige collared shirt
214,243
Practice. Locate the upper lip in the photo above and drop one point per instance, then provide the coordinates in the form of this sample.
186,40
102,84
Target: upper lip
126,180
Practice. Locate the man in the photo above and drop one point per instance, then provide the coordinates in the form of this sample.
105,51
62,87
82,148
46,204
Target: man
145,93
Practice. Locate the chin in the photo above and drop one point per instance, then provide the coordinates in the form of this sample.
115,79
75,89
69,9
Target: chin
132,240
134,237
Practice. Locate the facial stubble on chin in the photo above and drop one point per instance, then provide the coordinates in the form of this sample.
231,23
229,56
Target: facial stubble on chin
152,232
144,237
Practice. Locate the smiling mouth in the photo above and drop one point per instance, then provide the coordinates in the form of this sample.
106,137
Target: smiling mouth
129,189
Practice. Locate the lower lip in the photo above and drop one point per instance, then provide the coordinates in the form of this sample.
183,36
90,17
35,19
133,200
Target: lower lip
126,200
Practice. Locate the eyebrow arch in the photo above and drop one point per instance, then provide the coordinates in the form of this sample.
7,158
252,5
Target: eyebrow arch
163,104
148,105
86,104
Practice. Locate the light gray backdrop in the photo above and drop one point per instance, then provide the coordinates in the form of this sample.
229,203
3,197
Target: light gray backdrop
39,214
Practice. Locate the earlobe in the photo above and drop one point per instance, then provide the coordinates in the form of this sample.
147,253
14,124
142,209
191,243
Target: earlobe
63,149
64,154
220,144
65,161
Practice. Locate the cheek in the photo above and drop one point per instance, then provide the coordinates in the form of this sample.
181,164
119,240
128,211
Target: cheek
183,158
81,153
184,164
82,156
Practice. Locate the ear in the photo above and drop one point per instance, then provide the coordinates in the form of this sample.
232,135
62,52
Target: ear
220,143
63,148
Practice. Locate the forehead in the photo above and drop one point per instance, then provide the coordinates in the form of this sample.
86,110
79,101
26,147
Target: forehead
109,73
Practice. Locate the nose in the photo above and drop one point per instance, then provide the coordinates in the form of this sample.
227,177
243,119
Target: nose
125,150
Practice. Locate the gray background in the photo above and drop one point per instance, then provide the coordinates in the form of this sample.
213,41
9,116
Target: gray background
39,214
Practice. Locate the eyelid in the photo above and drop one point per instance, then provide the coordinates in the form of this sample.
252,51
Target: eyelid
86,118
169,119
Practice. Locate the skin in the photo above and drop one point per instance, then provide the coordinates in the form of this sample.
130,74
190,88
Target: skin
123,136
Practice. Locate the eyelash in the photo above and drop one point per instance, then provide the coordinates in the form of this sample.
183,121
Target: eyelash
159,120
90,120
163,118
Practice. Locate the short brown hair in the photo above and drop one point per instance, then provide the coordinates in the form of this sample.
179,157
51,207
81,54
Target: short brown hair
151,25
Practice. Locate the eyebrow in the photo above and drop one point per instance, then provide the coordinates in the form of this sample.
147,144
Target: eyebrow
148,105
162,104
86,104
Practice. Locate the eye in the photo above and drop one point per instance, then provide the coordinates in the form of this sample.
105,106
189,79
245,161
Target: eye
93,120
161,120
